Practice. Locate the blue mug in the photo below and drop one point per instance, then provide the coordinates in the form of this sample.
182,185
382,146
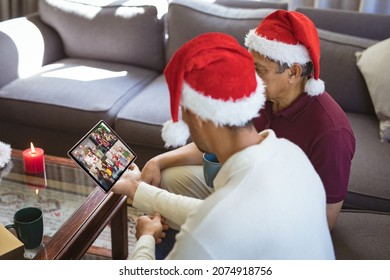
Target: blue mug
211,167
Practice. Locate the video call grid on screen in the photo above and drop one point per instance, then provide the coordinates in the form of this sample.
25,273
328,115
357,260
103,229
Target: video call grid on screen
103,155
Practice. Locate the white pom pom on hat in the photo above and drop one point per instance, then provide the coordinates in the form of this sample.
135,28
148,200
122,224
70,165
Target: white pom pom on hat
314,87
214,77
175,134
289,37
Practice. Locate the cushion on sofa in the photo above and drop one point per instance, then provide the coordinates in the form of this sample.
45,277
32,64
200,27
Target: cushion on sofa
188,18
345,84
145,114
369,183
72,94
118,32
141,110
374,63
362,235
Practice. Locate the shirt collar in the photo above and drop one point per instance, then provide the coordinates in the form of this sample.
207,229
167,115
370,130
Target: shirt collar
246,158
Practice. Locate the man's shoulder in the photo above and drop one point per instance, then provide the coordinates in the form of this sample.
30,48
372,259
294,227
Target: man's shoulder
330,112
326,101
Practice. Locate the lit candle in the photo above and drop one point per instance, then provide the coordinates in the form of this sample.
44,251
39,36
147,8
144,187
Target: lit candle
34,161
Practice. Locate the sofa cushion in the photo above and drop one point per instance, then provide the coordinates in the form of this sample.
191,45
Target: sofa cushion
362,235
150,108
374,63
369,184
188,19
72,94
346,84
140,121
116,32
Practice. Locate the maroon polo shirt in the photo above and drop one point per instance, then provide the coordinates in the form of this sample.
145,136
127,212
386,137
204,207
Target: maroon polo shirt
320,127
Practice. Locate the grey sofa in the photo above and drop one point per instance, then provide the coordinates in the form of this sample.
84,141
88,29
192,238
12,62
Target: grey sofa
72,64
75,62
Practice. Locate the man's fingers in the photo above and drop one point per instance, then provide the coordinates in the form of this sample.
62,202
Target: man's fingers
133,167
165,226
156,216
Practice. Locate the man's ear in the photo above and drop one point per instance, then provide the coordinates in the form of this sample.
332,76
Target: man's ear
295,71
194,119
198,121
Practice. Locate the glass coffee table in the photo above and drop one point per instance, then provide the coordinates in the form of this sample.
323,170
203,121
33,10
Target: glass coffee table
76,211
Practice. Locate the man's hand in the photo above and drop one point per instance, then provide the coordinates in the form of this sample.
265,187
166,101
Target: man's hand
128,183
151,173
151,225
186,155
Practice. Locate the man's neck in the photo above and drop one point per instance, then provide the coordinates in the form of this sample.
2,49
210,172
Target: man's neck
235,141
289,97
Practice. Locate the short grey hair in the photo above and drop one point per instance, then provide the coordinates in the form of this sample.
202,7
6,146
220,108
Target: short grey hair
307,68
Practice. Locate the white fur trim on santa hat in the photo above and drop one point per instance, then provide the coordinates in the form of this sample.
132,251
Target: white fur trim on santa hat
175,134
314,87
222,112
277,51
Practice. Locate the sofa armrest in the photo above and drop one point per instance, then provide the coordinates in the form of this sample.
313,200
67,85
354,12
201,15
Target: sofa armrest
26,45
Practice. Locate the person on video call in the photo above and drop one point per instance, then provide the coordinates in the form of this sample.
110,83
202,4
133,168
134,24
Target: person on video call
268,203
286,50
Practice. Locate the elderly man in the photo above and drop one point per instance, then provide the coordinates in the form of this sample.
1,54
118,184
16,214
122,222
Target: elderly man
268,203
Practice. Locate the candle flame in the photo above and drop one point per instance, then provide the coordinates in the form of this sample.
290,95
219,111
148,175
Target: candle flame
37,191
32,148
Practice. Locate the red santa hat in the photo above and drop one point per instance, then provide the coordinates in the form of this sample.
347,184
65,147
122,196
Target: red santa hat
214,77
289,37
